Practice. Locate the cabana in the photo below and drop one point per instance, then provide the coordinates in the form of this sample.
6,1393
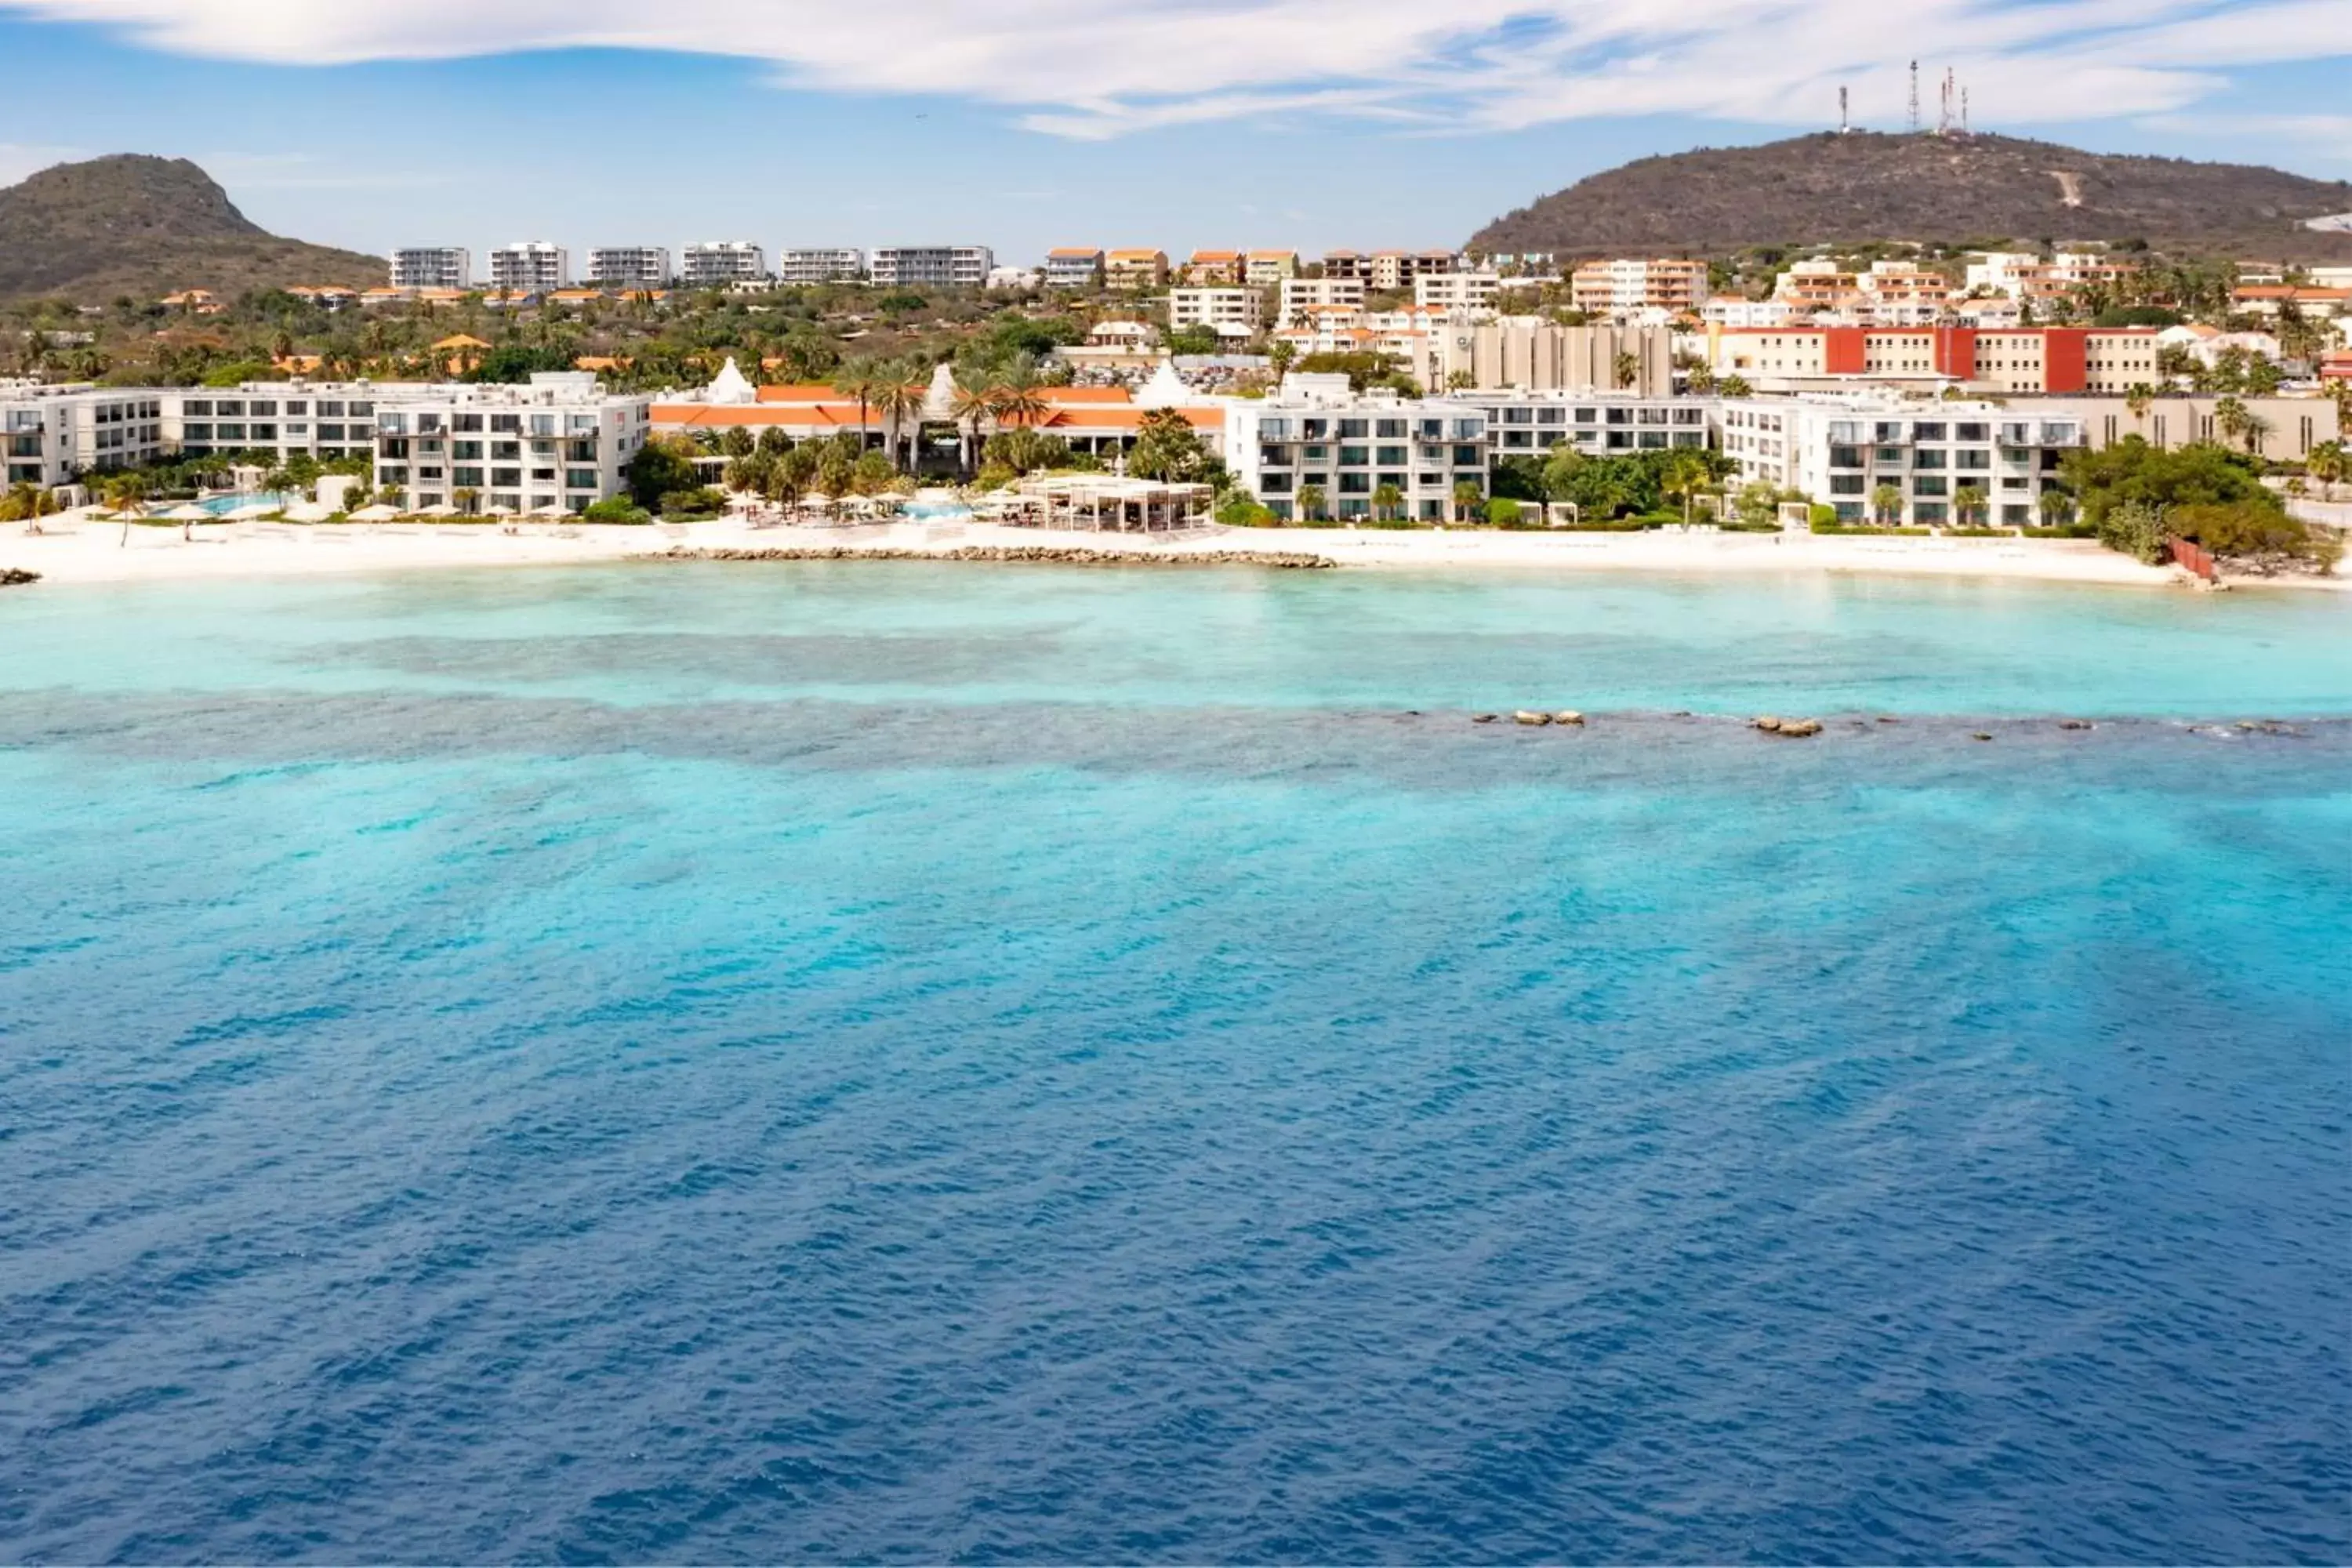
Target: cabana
1105,503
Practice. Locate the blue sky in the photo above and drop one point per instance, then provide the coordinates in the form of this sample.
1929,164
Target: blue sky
1026,123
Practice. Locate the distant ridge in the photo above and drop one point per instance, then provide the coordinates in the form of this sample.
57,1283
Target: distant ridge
147,227
1857,188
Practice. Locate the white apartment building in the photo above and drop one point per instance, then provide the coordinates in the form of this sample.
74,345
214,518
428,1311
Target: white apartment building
1267,269
1074,266
718,262
1315,434
49,435
1456,290
433,267
2021,275
629,266
1015,278
1302,294
932,266
1623,287
275,420
531,267
1600,423
800,266
1233,313
560,444
1840,450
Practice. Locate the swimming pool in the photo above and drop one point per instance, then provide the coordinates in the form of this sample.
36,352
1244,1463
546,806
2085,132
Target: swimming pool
221,506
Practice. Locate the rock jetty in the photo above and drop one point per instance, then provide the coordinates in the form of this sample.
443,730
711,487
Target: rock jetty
1038,554
1789,729
17,577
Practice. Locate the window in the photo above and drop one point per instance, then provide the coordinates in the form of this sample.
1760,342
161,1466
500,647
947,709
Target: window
1847,484
1519,415
1354,429
506,423
1929,485
1355,484
1467,458
264,406
506,476
233,407
1930,460
461,450
463,422
506,451
1552,415
1355,457
1846,457
1391,456
1931,431
1389,429
1969,432
330,410
1432,430
1979,459
197,408
580,479
467,479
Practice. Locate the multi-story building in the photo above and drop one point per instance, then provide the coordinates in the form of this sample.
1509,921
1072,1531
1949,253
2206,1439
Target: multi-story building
560,443
1598,424
1621,288
1456,290
801,266
277,420
717,263
1214,268
932,266
433,267
2017,360
629,266
1233,313
1133,271
1267,269
530,267
1300,294
1317,442
1539,355
1074,266
1843,450
1390,271
51,434
2024,276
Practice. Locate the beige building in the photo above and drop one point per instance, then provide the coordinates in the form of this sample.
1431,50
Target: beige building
1211,269
1537,355
1132,271
1621,288
2060,360
1267,269
1300,294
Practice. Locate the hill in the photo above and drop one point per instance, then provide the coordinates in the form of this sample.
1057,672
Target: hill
1857,188
146,227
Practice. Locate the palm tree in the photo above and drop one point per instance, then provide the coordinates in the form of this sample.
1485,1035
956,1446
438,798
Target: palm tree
1467,499
1627,368
2330,462
2137,397
972,403
1734,386
1968,505
858,380
124,493
1279,355
2340,393
1310,502
899,398
1887,504
1386,500
2235,421
2057,508
1684,475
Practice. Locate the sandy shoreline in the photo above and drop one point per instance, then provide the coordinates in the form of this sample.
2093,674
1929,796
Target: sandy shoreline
88,550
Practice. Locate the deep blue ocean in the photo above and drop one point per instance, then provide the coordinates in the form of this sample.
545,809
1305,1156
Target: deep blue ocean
913,1063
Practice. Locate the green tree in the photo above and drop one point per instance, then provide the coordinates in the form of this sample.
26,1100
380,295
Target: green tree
1469,500
1627,366
1968,505
1887,505
663,464
1311,501
1734,386
1386,500
2057,506
1279,355
1169,449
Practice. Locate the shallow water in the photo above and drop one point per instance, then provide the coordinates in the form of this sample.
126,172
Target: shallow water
827,1062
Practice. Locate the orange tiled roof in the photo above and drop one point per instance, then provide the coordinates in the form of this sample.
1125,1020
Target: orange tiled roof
461,340
1085,250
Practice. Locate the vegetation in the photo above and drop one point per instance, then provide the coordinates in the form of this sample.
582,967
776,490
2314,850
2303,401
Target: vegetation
2135,496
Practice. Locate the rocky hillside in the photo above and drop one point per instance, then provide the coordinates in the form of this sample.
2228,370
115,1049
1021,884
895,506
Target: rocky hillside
146,227
1864,186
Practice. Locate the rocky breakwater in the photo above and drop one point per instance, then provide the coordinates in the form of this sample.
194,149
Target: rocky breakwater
1789,729
16,577
1027,555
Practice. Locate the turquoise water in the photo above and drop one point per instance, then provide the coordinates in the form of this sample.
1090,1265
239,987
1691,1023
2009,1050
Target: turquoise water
221,506
903,1062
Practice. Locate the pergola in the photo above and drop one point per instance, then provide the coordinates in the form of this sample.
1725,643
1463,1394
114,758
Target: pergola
1103,503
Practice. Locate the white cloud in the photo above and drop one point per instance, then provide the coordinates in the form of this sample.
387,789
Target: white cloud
1078,68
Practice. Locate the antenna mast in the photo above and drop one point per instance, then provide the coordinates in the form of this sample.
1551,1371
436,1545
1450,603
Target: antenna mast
1964,111
1915,98
1844,124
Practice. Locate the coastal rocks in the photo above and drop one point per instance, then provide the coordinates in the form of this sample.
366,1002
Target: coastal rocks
1567,716
1789,729
1526,716
1768,722
2074,723
1033,554
1979,735
1484,718
17,577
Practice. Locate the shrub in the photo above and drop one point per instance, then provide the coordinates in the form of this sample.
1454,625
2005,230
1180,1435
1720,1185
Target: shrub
615,509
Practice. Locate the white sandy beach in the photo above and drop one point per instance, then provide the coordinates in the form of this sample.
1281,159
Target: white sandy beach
80,550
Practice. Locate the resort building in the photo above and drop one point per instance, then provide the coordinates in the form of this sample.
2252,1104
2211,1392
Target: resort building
1235,312
530,267
1621,288
1456,290
1300,294
622,267
1538,355
1601,423
801,266
276,420
1393,272
1316,449
433,267
1929,465
1018,279
1733,311
1214,268
932,266
2018,360
2284,430
2025,277
718,262
51,434
560,444
1074,266
1267,269
1133,271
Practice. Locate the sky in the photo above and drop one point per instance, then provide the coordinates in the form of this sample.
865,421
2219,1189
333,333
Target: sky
1022,124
